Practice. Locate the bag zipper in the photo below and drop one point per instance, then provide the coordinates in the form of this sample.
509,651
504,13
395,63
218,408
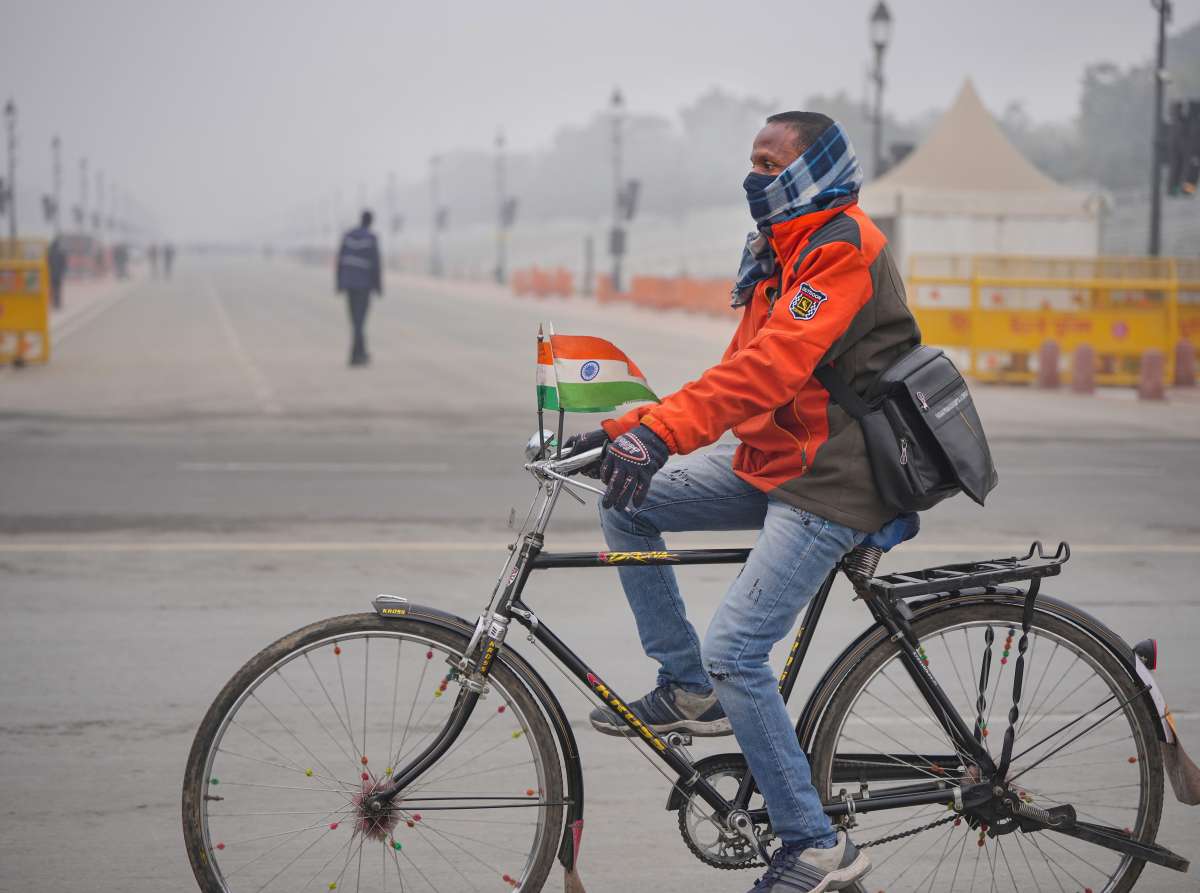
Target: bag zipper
903,450
925,401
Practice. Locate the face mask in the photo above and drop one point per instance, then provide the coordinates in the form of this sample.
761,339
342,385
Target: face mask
756,183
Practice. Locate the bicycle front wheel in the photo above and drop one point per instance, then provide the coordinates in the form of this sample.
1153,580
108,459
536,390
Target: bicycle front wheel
274,791
1084,737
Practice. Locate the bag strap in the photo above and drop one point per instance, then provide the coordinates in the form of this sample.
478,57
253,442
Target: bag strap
842,394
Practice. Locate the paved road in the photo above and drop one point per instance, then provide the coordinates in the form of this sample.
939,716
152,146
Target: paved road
199,472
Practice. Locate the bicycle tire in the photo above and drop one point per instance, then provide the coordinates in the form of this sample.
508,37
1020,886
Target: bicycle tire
980,612
515,692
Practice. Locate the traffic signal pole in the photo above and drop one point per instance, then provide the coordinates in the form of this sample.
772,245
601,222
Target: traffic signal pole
1159,150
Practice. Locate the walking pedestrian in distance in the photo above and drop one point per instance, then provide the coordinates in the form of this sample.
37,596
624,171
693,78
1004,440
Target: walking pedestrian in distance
168,255
359,273
152,253
56,260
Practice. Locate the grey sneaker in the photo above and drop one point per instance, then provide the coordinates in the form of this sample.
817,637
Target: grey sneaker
793,870
667,709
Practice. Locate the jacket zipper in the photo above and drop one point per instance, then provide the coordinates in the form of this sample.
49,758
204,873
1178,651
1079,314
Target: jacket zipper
903,450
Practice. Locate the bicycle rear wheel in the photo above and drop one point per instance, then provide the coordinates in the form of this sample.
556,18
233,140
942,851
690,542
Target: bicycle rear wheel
275,782
1085,738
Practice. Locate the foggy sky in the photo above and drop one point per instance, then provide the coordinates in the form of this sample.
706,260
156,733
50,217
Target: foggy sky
224,117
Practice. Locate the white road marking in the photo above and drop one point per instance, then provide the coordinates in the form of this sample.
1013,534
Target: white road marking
72,324
258,382
593,545
337,467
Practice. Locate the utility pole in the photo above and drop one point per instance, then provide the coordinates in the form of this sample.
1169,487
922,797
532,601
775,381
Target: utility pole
10,120
56,173
501,212
83,194
880,27
437,220
616,244
99,213
1163,7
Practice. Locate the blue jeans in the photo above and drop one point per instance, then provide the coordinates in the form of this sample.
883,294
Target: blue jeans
794,553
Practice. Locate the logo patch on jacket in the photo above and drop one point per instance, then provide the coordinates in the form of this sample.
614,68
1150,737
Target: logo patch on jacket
807,302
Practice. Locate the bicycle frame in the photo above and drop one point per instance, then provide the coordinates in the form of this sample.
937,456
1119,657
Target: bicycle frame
506,605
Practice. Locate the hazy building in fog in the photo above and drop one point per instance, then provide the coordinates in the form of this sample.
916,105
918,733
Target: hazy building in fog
967,190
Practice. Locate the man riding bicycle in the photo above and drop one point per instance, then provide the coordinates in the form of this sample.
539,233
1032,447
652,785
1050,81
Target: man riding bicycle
817,285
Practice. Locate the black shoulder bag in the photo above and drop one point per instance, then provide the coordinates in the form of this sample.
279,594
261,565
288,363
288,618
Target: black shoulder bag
924,438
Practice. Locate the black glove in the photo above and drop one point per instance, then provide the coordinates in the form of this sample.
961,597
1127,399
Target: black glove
629,463
581,443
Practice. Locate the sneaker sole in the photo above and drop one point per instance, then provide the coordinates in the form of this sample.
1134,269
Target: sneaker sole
845,877
714,729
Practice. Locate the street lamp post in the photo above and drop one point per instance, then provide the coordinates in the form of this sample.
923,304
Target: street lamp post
83,194
501,222
617,237
1163,7
880,27
98,214
10,120
435,246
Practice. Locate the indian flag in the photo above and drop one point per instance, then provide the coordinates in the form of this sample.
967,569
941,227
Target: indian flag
547,384
591,375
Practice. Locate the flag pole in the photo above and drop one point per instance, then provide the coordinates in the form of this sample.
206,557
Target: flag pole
541,427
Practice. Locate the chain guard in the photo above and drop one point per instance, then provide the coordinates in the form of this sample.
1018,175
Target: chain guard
720,847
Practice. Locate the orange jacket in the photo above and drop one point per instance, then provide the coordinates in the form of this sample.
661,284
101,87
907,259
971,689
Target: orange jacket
837,298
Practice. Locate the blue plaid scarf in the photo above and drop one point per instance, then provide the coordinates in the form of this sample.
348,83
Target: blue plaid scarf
827,172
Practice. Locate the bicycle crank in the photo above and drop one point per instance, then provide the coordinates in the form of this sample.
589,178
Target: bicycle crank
710,839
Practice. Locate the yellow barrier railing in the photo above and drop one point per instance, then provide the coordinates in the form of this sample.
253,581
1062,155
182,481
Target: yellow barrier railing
24,303
1000,309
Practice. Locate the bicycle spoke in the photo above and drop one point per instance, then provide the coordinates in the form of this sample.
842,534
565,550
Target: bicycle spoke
325,692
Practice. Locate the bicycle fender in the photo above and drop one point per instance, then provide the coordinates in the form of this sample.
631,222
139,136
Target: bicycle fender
923,605
567,746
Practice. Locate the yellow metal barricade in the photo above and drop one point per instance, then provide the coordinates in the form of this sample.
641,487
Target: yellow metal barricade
24,303
997,311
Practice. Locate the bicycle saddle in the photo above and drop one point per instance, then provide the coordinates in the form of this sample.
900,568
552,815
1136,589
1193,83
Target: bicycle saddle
894,532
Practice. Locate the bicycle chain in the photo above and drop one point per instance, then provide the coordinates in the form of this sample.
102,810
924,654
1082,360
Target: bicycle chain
903,834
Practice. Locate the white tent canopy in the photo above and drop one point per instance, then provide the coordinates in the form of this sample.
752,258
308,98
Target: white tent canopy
966,189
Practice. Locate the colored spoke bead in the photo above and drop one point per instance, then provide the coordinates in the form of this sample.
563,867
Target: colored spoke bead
416,817
517,734
214,780
501,708
396,845
366,777
220,846
333,826
529,792
387,771
333,885
429,655
1133,759
308,772
337,649
364,759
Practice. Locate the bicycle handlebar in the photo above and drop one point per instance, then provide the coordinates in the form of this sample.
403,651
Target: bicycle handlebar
567,465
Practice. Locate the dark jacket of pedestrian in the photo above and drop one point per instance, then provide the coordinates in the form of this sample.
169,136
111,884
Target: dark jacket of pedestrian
358,266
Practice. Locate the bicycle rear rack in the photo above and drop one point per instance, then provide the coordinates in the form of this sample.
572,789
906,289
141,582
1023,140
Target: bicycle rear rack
1033,565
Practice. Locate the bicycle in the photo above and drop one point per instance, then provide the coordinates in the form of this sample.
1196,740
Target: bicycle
289,785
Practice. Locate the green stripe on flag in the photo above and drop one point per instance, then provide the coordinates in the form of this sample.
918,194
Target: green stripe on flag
548,396
602,396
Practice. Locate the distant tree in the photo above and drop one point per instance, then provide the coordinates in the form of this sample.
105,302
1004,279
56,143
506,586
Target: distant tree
1053,147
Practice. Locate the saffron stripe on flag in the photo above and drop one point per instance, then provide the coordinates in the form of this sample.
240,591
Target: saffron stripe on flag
586,347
